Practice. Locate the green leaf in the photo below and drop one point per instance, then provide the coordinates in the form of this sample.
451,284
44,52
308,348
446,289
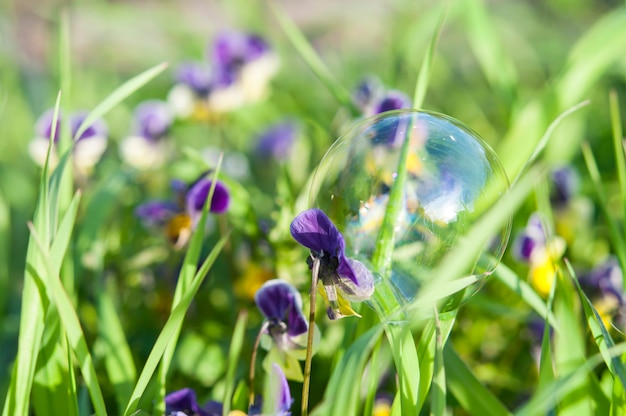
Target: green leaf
438,389
467,389
236,344
525,292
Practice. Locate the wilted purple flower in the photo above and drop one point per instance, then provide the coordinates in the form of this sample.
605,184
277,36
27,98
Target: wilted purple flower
314,230
276,142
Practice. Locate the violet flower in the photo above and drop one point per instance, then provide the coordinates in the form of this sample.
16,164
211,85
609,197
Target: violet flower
285,325
184,402
391,100
343,279
605,286
144,148
180,216
564,185
541,252
277,141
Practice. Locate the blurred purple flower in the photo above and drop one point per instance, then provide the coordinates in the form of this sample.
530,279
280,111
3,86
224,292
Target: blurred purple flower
198,193
97,129
156,213
391,100
366,92
195,75
231,51
152,119
277,141
564,186
43,125
185,402
314,230
606,279
281,305
531,238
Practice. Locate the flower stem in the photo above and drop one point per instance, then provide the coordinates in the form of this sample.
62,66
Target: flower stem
253,361
309,343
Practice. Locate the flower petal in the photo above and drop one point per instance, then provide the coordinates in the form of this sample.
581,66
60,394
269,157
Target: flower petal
198,194
314,230
356,281
183,400
153,119
277,299
280,390
155,213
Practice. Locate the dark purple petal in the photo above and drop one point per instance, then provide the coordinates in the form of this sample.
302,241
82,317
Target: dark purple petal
314,230
184,400
277,299
276,142
523,247
43,126
392,100
153,119
213,408
198,194
155,213
97,128
196,76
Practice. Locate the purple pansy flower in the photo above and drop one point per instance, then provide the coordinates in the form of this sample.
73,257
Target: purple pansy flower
606,279
276,141
88,148
184,401
285,324
564,185
181,215
391,100
195,75
231,51
144,148
314,230
531,238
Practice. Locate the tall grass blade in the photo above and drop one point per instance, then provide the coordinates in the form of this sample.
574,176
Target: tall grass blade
438,389
234,352
618,146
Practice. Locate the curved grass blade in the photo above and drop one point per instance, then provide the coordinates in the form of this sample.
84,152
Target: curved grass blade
475,398
304,48
53,259
34,299
438,389
525,292
548,398
118,95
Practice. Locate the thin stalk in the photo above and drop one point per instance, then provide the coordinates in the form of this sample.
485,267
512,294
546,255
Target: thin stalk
309,342
253,360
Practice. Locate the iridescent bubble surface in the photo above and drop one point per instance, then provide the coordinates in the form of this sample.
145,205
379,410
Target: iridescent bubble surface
450,177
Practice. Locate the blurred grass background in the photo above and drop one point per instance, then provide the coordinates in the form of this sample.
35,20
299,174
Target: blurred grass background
505,68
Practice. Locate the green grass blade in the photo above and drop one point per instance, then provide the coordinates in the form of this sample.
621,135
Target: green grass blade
601,335
547,399
236,345
618,146
546,368
113,346
407,364
475,398
485,42
306,51
66,312
438,389
171,328
5,250
343,398
525,292
118,95
615,232
423,78
34,301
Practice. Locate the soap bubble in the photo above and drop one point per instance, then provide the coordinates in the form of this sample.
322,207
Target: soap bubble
451,177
